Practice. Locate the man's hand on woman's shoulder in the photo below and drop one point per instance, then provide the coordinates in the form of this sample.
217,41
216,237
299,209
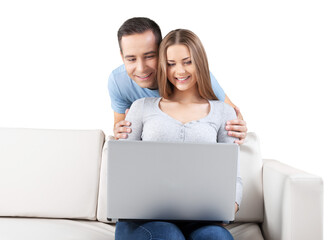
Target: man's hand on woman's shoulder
237,127
121,127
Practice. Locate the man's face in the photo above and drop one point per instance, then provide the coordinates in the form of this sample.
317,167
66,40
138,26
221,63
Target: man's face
139,54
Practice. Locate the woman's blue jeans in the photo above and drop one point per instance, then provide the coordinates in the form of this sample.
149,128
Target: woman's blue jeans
160,230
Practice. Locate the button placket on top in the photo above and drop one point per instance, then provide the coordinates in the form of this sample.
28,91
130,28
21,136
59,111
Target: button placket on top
182,133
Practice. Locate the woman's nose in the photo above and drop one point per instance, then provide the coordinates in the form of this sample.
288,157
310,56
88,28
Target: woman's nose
180,69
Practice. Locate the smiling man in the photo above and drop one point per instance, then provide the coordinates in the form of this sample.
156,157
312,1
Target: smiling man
139,54
139,40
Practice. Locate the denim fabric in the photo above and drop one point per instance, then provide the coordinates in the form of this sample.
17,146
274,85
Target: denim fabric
155,230
159,230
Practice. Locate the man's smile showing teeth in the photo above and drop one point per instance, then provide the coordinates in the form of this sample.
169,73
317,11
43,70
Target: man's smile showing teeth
145,76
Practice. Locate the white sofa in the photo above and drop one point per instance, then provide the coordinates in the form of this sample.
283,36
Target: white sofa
53,186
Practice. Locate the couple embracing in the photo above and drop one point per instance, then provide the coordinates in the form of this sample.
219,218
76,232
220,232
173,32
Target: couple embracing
167,85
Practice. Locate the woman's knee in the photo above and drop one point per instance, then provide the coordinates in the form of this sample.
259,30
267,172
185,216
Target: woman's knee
211,232
147,231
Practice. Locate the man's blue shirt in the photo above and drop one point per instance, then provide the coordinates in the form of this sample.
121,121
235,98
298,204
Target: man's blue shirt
123,91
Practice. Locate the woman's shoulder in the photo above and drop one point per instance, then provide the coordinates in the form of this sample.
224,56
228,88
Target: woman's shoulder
222,105
223,109
151,99
144,102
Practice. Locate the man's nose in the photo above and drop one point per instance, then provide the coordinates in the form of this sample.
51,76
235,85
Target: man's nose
141,65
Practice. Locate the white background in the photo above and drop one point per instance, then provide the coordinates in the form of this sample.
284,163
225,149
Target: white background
272,58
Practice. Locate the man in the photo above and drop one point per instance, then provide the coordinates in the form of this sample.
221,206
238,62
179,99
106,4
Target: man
139,40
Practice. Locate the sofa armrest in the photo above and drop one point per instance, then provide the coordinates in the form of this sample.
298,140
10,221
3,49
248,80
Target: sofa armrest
293,203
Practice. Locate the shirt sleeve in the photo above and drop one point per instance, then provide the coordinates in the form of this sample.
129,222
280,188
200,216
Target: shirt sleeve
218,90
135,116
230,114
118,103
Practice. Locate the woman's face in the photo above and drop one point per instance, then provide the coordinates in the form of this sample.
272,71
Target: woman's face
180,69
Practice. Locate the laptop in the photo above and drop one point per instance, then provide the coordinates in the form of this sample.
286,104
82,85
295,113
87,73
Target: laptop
171,181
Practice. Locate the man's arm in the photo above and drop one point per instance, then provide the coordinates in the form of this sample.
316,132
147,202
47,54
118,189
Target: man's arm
228,101
118,103
237,127
121,127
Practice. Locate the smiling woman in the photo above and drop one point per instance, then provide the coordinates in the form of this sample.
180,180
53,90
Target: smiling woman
182,55
181,72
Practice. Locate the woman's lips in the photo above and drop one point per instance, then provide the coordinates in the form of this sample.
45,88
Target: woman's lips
183,79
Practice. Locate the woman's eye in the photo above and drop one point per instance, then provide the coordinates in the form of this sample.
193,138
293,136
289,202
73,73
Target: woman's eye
171,64
188,62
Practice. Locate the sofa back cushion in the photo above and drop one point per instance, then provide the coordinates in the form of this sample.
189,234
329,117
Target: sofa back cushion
102,199
50,173
251,209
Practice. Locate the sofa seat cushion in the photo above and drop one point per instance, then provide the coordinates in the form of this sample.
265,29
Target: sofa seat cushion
54,229
60,229
245,231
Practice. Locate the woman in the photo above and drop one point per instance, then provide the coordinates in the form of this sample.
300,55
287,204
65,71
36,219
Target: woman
187,111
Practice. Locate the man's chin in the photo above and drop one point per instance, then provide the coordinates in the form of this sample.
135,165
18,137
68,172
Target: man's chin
146,84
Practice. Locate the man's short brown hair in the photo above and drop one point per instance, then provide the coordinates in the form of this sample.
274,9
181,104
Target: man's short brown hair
139,25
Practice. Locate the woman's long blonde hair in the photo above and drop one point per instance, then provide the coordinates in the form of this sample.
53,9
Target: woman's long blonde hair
198,58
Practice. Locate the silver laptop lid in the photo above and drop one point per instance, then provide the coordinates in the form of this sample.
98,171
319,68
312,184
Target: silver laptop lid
171,181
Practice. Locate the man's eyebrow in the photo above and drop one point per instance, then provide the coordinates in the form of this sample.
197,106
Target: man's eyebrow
150,52
132,56
129,56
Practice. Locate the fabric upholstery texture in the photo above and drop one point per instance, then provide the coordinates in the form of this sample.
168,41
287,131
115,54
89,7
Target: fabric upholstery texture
245,231
54,229
251,208
102,199
293,203
53,185
50,173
